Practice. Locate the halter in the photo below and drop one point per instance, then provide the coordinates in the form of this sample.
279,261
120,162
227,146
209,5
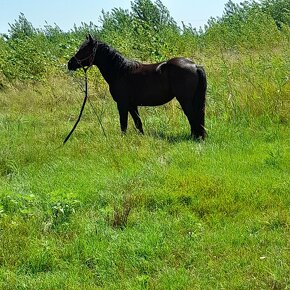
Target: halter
91,57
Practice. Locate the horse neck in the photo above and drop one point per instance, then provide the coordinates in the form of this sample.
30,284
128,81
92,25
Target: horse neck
110,63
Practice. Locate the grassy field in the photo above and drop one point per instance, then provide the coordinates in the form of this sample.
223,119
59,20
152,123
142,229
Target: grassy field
157,211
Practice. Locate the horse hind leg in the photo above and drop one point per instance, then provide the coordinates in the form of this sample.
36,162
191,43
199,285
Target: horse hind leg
188,110
199,100
137,120
194,117
193,105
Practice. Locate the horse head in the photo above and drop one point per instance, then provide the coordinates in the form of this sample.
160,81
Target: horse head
85,55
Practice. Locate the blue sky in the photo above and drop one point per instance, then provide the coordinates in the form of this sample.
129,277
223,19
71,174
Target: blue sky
66,13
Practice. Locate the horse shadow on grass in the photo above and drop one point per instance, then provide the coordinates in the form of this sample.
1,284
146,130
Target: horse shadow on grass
170,137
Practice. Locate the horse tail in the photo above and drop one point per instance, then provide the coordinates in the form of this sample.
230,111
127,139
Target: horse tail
199,104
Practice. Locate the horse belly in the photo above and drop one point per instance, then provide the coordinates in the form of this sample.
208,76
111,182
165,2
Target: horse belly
151,99
151,92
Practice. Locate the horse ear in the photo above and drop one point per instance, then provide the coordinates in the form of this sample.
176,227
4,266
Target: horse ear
90,38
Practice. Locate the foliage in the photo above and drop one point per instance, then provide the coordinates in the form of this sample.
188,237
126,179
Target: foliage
279,11
21,28
147,32
149,29
248,25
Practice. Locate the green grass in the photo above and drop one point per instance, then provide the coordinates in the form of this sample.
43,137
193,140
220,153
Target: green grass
157,211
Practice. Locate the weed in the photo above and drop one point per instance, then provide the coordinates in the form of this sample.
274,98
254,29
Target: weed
120,215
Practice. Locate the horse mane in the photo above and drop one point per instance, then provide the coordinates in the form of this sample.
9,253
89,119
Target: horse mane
115,60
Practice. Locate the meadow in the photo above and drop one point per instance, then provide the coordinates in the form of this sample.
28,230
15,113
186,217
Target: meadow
158,211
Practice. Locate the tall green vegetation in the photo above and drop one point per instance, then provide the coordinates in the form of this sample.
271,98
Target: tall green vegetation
146,32
156,211
235,45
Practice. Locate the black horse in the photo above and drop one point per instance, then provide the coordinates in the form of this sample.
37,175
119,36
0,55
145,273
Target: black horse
134,84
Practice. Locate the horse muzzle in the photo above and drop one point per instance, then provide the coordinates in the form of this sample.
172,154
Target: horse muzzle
72,64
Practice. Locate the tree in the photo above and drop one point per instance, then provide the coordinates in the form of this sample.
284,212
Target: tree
21,28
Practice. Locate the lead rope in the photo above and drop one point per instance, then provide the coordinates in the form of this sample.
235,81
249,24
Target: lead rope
82,108
85,69
98,118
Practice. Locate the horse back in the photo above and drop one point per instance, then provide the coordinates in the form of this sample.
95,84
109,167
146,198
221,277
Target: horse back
155,84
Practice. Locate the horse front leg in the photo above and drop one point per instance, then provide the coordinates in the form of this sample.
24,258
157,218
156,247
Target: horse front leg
123,113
